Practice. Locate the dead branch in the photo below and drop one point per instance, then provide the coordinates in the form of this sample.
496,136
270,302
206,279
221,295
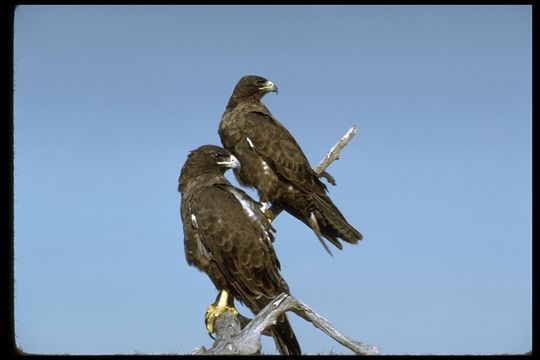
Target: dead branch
232,340
334,152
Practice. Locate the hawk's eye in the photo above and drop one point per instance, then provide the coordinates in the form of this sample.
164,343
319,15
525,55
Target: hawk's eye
218,154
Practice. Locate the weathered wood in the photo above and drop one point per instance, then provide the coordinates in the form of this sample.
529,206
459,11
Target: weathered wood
232,340
334,152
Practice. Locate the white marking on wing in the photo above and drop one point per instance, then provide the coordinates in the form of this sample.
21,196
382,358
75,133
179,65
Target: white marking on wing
245,204
250,143
194,221
266,168
250,209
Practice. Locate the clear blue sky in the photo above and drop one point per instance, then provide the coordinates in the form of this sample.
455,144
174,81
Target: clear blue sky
109,100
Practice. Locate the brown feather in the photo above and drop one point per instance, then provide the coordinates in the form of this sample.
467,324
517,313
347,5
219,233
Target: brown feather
273,163
228,237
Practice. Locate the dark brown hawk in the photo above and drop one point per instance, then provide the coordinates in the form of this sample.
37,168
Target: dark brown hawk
273,163
228,237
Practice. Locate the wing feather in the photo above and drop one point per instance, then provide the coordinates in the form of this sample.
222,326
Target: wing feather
278,148
240,244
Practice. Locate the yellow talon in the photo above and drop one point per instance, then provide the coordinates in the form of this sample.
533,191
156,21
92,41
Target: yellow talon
216,309
269,215
265,209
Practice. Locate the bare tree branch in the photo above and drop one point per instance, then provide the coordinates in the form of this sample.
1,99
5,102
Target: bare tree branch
334,153
230,340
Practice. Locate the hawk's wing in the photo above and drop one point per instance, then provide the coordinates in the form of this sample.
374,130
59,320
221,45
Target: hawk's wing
231,235
278,148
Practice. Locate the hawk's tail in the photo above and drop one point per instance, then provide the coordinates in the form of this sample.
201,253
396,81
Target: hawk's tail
331,223
284,337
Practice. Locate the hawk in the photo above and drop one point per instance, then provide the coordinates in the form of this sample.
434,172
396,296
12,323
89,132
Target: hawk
273,163
228,237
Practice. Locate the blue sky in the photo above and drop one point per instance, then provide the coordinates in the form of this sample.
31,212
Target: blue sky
109,100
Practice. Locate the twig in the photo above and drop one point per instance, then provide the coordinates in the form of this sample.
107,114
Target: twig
334,152
230,340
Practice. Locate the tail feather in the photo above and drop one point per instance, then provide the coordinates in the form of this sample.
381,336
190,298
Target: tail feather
281,331
284,337
332,223
314,224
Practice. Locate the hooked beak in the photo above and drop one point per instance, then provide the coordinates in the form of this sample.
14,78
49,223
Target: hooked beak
269,87
231,163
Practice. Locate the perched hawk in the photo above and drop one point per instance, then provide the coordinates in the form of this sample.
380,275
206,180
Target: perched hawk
228,237
273,163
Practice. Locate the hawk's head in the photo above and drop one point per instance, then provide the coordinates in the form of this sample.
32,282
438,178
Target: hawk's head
207,160
253,86
212,157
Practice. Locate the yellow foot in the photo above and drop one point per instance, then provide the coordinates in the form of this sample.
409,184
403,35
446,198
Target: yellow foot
269,215
216,309
265,208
